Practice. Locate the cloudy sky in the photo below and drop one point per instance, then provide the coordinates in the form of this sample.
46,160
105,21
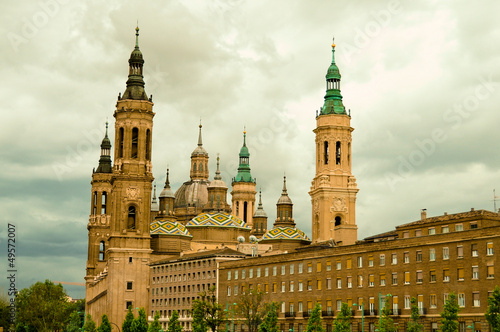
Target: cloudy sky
421,81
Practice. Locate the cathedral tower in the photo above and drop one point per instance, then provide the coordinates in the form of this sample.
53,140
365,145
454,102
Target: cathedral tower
333,189
122,283
243,194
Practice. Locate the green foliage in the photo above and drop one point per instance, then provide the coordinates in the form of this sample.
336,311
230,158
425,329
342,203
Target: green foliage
155,325
315,323
4,312
343,321
89,325
492,314
44,306
386,322
251,308
105,324
129,319
449,316
270,323
208,307
199,323
75,322
173,323
140,324
413,324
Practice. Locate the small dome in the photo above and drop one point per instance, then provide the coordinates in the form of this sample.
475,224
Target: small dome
217,181
167,227
217,219
192,193
199,150
167,193
285,233
284,198
260,209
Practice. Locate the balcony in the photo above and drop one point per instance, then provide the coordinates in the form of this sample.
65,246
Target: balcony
369,312
396,312
422,311
305,314
289,314
327,313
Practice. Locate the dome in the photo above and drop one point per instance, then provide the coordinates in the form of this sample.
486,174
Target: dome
284,198
217,219
217,181
192,193
167,193
260,209
199,150
285,233
166,227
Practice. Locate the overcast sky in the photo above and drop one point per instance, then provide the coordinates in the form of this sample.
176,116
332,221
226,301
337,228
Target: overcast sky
420,78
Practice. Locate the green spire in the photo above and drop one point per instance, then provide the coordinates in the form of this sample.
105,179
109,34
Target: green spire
135,83
333,99
244,167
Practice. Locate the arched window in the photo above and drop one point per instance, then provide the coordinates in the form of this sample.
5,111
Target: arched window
194,167
200,167
325,144
120,143
102,250
135,142
94,203
237,209
337,153
104,198
286,215
338,221
148,144
245,210
131,217
218,201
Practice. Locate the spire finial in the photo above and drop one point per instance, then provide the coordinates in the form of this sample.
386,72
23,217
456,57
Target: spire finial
333,41
284,184
217,172
137,35
260,197
245,136
106,127
154,192
200,143
167,181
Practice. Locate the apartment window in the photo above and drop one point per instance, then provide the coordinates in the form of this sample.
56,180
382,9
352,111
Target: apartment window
328,283
318,267
459,227
418,256
292,288
309,267
382,260
301,288
228,290
432,254
360,281
309,307
348,263
301,308
275,287
382,280
434,327
475,299
292,269
407,302
490,271
432,231
446,253
394,278
420,304
446,275
329,306
372,304
371,280
300,267
407,278
433,301
461,300
406,257
349,282
418,233
235,290
236,275
460,251
328,266
395,304
473,225
250,273
275,270
475,272
445,229
318,284
474,251
339,265
370,260
489,248
360,261
283,268
129,285
266,272
291,308
461,327
283,287
339,305
432,276
339,283
406,235
394,259
420,277
283,308
445,297
258,272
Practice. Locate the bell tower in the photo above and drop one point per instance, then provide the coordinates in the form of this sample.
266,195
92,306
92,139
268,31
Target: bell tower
333,189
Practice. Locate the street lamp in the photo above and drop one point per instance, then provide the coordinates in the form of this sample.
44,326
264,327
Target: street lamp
472,327
380,309
232,317
362,316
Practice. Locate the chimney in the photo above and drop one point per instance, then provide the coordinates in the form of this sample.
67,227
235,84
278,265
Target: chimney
423,214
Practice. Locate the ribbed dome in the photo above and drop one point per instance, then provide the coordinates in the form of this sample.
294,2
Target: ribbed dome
192,193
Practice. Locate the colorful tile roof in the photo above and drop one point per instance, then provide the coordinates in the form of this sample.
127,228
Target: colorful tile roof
285,233
217,219
166,227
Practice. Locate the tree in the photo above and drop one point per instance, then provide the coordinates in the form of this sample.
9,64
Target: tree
270,323
386,322
4,311
155,325
413,324
44,306
449,316
315,323
251,307
173,323
213,312
492,314
105,324
75,322
140,324
343,321
199,323
89,325
129,319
